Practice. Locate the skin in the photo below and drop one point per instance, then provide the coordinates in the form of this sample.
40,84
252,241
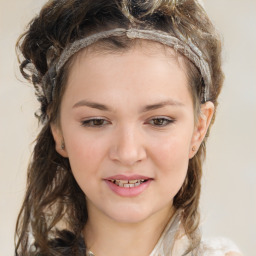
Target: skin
147,128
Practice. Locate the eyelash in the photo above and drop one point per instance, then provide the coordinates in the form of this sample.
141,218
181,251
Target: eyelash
164,121
91,122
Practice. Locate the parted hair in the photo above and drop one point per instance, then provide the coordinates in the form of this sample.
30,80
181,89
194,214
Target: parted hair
53,199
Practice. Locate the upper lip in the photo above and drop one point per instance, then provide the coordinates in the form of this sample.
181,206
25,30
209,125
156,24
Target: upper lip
130,177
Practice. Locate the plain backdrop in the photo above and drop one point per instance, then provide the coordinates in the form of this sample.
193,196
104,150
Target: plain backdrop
228,200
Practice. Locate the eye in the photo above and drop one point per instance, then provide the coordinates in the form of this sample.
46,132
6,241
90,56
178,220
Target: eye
161,121
95,122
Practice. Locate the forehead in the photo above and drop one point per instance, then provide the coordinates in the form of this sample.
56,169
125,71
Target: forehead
147,47
146,70
145,51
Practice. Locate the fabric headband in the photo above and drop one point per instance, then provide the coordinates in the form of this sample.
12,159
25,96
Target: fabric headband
188,49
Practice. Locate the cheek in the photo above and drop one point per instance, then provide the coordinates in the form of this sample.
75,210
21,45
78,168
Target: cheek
171,151
85,152
86,156
171,157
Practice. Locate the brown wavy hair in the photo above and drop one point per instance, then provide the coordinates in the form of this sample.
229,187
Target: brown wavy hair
53,199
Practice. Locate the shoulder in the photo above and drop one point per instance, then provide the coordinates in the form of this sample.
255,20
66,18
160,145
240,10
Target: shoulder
219,247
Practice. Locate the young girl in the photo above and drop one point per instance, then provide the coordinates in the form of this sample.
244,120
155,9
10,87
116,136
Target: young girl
128,90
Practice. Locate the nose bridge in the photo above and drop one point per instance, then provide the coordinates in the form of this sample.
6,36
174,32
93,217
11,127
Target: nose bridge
127,147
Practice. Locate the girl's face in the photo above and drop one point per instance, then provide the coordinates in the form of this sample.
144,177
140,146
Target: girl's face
127,120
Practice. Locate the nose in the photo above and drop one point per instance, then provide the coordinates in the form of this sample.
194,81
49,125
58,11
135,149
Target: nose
127,147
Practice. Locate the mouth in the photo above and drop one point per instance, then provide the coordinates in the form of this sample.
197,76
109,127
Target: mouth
128,183
128,186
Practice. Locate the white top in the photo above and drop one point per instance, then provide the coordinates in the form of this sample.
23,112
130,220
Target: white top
169,246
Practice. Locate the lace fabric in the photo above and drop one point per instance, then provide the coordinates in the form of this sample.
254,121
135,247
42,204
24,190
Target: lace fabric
218,246
168,246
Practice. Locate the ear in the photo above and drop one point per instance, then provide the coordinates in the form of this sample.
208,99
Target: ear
59,140
201,127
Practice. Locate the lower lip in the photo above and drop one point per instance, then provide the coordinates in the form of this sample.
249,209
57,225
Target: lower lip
128,192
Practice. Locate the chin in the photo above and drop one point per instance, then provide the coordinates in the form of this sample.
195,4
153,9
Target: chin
129,215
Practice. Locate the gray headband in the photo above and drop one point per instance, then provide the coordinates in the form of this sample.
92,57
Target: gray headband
188,49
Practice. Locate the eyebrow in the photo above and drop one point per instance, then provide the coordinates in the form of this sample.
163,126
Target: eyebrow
90,104
162,104
146,108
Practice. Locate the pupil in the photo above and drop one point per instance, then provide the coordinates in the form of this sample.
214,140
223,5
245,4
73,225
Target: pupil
98,122
159,121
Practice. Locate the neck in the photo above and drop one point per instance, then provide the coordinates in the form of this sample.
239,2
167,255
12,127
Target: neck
105,236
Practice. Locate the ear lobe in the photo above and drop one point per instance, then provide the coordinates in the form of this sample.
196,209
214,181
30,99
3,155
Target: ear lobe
204,120
59,140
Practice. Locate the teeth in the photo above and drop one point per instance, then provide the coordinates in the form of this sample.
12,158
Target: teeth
127,183
132,181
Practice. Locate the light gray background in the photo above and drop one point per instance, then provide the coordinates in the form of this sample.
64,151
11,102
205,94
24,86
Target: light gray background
229,185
